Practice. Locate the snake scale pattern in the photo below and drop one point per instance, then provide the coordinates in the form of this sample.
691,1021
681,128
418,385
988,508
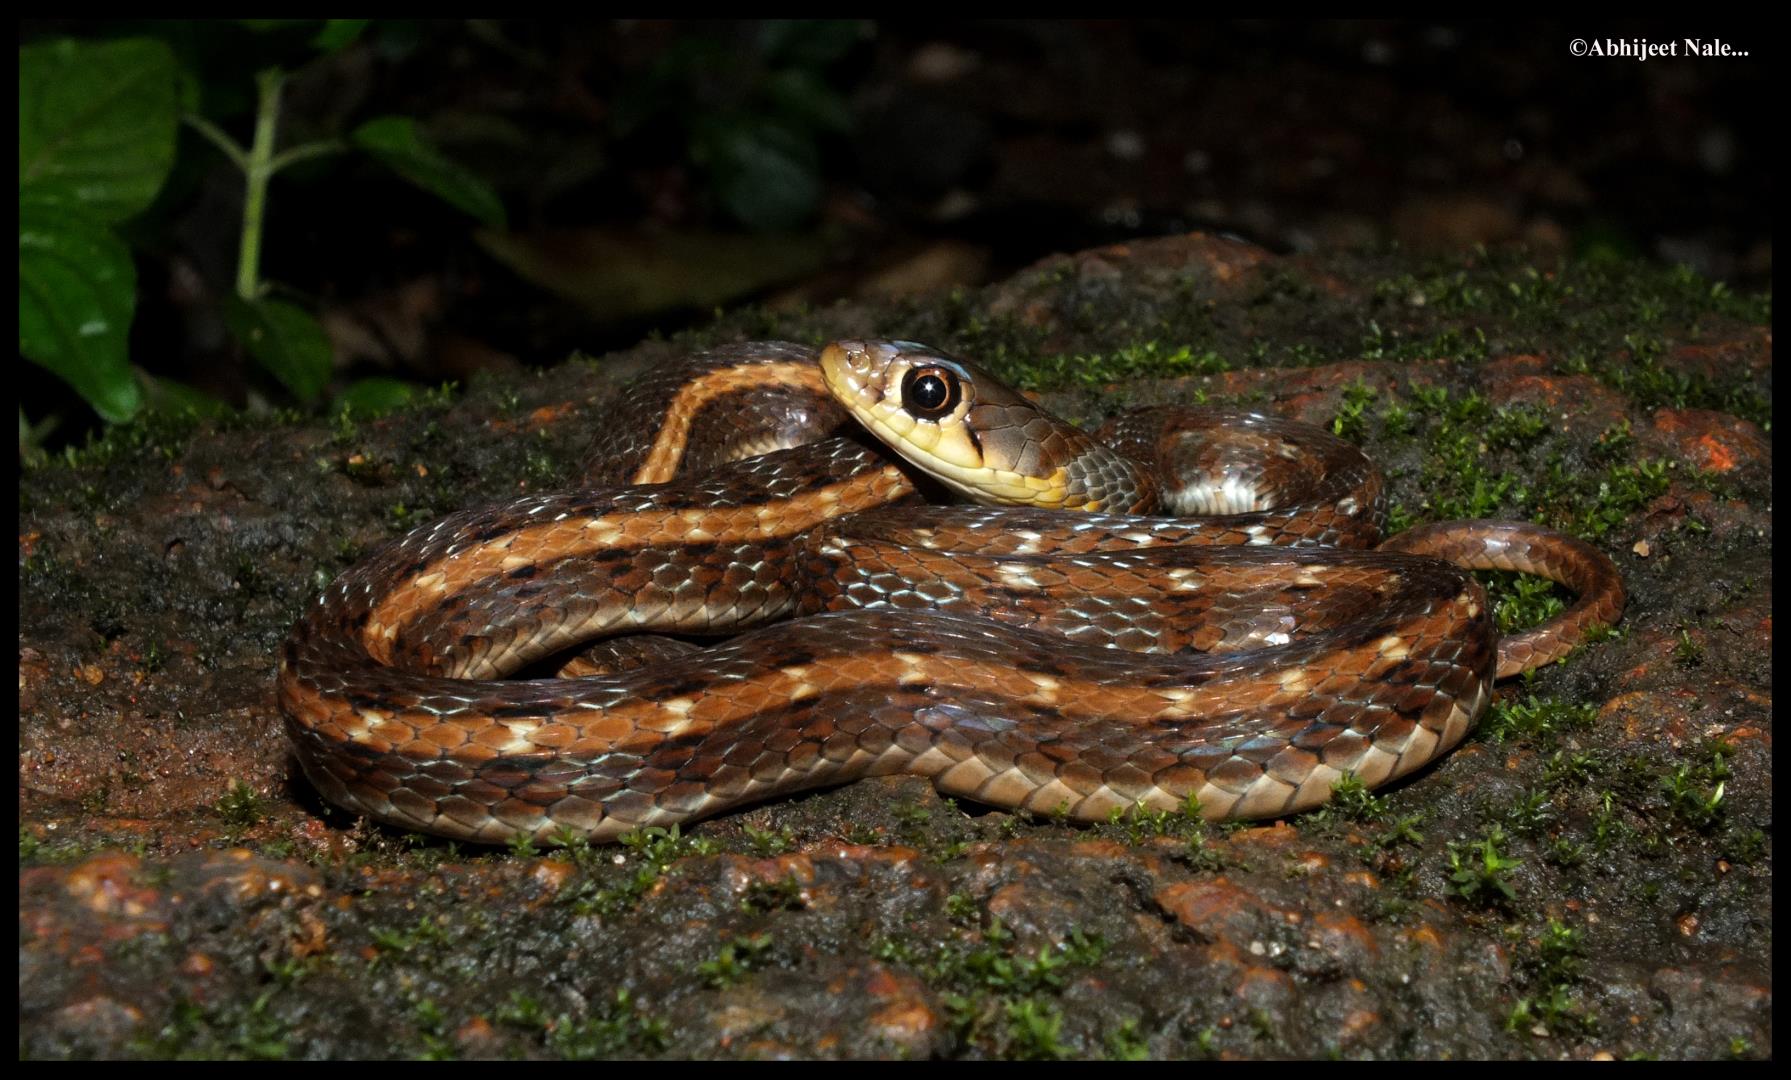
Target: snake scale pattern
1247,650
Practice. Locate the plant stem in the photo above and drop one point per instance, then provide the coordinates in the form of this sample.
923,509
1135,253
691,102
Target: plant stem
259,170
306,152
218,139
259,164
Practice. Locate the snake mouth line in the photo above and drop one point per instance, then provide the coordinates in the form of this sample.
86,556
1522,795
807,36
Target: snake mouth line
980,439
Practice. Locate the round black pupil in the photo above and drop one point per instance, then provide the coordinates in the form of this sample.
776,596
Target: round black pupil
930,392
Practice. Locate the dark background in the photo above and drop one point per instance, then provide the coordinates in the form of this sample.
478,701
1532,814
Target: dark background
792,164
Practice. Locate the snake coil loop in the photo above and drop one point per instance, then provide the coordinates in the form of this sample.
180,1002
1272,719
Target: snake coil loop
1020,656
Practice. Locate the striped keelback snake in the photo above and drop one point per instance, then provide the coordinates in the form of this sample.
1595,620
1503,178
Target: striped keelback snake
1020,656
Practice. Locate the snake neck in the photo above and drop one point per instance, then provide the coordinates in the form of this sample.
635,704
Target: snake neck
1103,480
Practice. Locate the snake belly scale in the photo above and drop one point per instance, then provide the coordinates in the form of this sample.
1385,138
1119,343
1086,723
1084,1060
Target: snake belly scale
1019,655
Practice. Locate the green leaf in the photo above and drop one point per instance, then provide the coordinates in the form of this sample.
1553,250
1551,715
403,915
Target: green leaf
802,96
97,122
283,339
376,396
811,42
32,436
396,141
766,173
77,293
339,32
171,396
622,274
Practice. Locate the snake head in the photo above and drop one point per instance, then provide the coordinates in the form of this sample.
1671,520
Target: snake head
974,433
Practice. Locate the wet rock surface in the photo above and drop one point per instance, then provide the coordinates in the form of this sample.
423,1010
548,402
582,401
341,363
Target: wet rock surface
1588,876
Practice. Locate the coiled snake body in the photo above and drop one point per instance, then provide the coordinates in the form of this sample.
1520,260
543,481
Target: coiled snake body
1023,657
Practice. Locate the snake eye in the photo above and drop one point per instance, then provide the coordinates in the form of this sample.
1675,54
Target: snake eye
930,392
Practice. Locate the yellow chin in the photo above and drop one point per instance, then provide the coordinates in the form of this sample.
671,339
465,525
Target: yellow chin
947,453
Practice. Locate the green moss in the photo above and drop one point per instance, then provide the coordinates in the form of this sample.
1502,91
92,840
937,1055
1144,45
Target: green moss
62,850
1564,853
1138,823
1351,800
1033,1032
996,993
1572,768
937,829
1691,797
1608,828
858,832
766,843
154,434
1144,359
605,889
1127,1043
614,1028
1530,814
240,807
1349,422
1477,870
1688,652
1521,601
1403,831
1745,846
1207,1041
1550,966
762,897
735,960
422,933
1555,1011
433,1030
225,1029
1202,855
1536,722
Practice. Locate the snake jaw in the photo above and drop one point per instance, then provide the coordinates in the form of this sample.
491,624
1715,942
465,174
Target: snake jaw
977,448
992,445
868,379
